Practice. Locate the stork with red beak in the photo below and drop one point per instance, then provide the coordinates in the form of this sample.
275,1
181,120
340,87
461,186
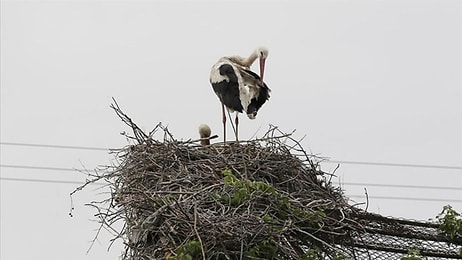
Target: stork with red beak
238,88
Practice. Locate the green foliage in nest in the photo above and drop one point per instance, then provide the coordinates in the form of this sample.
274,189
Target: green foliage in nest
189,251
265,249
242,189
315,253
412,254
312,254
450,223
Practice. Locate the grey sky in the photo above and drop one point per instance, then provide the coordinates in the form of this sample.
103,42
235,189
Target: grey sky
372,81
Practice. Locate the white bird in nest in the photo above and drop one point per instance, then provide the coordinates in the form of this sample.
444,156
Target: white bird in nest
204,133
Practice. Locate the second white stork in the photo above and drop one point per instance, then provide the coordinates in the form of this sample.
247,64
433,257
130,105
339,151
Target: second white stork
238,88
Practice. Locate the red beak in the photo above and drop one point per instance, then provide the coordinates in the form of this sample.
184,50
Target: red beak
262,68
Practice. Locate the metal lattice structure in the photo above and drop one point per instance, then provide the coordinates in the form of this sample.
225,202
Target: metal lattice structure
391,238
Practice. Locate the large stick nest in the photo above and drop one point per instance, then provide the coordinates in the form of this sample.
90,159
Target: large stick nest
238,200
260,199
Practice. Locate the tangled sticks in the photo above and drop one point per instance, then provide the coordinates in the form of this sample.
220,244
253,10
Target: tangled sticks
261,199
228,202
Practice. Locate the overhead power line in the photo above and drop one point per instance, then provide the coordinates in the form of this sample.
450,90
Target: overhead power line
27,167
47,181
351,196
40,168
56,146
445,167
404,198
400,186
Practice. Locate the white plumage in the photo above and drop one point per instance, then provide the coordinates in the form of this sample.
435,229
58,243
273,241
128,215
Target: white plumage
237,87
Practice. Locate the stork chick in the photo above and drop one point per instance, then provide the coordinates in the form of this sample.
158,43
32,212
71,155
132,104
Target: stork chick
204,133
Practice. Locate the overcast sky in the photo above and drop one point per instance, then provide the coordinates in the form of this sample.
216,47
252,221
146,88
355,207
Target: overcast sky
365,81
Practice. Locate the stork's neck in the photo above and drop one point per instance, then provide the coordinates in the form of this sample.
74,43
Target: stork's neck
250,60
245,62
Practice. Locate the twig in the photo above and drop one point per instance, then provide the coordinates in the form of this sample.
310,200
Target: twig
197,233
367,199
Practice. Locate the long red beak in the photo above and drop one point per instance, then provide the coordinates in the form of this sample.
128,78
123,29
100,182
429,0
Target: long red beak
262,68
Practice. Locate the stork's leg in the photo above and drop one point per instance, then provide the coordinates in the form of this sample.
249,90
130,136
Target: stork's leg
224,122
237,127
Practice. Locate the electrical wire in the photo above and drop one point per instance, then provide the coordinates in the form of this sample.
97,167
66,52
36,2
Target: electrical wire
350,196
47,168
400,186
36,180
404,198
40,168
72,147
343,183
47,181
446,167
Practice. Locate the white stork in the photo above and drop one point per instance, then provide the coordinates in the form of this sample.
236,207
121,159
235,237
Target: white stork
237,87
